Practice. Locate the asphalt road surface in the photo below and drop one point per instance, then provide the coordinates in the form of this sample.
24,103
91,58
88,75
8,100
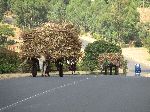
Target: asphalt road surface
75,94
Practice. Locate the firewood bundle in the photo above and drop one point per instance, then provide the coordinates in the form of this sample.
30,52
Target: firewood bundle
114,58
52,39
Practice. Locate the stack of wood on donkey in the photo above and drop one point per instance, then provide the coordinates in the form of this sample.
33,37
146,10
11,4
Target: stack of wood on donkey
110,60
58,42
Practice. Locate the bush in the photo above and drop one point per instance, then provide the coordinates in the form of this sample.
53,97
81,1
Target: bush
82,67
25,66
93,50
9,61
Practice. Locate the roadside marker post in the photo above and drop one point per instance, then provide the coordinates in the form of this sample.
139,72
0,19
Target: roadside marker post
137,69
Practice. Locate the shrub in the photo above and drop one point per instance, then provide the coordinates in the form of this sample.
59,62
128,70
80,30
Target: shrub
25,66
82,67
9,61
93,50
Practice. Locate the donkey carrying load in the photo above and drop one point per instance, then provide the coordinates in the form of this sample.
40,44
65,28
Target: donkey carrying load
111,61
56,40
44,64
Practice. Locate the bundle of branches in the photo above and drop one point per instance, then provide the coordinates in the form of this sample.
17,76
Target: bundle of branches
111,58
56,40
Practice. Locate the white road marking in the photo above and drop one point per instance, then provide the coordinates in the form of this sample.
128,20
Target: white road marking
42,93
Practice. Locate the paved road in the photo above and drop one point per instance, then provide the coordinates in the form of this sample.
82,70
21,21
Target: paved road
75,94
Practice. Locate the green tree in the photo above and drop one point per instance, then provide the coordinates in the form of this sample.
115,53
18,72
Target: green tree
57,10
119,21
5,32
2,8
77,11
115,20
30,13
144,33
143,3
97,12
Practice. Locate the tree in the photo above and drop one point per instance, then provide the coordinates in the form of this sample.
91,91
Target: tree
2,8
116,21
57,10
144,33
96,12
77,12
143,3
30,13
5,32
119,21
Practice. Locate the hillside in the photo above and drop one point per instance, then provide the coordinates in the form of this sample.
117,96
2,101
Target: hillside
139,55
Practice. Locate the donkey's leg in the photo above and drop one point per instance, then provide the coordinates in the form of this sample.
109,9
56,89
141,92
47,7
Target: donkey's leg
47,68
44,70
43,74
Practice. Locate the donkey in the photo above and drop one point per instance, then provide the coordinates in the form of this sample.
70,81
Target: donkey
44,65
72,65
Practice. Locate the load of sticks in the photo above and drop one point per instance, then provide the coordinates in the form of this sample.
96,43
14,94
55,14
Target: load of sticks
53,39
110,61
114,58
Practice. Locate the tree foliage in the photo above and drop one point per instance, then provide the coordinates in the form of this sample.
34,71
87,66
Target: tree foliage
2,8
145,34
5,32
57,10
115,20
119,22
30,13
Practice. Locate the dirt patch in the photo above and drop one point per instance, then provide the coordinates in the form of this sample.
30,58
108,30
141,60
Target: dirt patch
19,75
14,75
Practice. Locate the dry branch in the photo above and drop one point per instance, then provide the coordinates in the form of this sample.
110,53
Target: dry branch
52,39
